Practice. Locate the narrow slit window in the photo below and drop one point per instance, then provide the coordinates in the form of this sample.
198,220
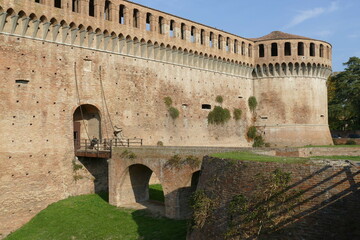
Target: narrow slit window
228,44
206,106
219,42
193,30
243,48
172,28
211,39
250,50
136,18
202,37
161,25
122,14
312,49
183,31
274,49
91,8
75,6
236,46
321,50
300,49
57,3
287,50
107,10
261,50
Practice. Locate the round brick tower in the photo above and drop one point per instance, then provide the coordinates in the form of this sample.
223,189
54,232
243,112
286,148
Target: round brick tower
290,85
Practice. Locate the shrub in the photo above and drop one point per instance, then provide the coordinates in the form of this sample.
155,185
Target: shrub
174,113
160,144
258,141
350,142
219,115
168,101
237,114
251,133
252,103
202,207
219,99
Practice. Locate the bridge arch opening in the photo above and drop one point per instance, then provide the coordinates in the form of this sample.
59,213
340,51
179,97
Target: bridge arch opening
87,122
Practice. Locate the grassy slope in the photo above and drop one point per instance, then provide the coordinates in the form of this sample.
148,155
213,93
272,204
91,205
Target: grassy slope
90,217
248,156
156,192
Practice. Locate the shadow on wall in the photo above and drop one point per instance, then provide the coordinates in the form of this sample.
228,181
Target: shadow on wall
98,168
326,207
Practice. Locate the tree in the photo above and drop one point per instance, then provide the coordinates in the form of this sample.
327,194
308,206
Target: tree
344,97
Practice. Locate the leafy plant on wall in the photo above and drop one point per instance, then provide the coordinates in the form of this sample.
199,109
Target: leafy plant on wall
173,112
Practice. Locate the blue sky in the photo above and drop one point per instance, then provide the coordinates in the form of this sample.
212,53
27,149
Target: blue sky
334,21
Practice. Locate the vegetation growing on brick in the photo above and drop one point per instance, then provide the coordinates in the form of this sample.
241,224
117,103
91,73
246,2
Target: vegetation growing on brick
202,206
177,161
128,154
252,103
237,114
173,112
258,141
219,99
270,205
219,115
251,133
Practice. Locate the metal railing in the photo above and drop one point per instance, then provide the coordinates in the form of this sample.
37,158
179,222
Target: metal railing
102,147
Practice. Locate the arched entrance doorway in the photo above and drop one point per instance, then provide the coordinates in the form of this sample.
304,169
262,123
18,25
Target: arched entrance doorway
87,123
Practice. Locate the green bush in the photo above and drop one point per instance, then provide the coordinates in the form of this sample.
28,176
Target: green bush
258,141
237,114
252,103
219,115
160,144
174,113
219,99
168,101
251,133
350,142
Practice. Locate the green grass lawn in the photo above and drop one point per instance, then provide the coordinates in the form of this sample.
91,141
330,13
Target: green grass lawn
331,146
249,156
352,158
156,193
90,217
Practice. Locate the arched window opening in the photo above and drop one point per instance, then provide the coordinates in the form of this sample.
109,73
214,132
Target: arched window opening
38,1
87,123
227,44
75,6
327,52
192,34
211,39
183,31
243,48
161,25
107,10
91,8
202,37
172,28
261,50
148,21
312,50
236,46
321,50
287,50
274,49
250,50
57,3
135,18
220,42
300,49
122,14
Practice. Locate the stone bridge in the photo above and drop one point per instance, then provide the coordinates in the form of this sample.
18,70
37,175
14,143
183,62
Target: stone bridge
130,170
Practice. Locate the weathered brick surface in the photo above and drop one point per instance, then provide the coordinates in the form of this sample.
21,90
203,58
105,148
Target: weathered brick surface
46,53
327,209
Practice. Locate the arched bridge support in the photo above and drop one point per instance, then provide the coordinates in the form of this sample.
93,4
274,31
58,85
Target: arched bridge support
130,170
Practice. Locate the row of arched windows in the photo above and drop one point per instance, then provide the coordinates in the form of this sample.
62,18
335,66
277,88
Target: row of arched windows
300,48
52,30
163,26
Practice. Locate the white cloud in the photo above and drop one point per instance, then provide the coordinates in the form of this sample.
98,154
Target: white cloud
312,13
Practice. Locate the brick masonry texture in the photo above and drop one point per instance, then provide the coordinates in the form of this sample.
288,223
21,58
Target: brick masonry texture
327,209
54,58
